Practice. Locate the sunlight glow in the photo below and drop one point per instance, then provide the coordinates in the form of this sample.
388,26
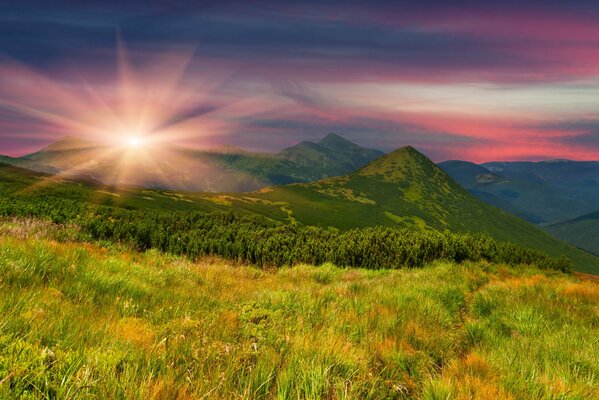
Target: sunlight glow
127,124
134,141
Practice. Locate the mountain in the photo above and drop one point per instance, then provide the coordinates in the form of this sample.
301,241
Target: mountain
332,156
399,189
8,160
480,182
540,192
67,143
63,155
469,174
582,231
563,173
226,169
405,189
573,185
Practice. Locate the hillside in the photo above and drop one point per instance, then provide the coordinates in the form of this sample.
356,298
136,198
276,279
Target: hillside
215,170
544,192
582,231
406,189
84,321
468,174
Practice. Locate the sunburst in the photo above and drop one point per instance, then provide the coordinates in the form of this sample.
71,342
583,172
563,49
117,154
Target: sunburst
133,115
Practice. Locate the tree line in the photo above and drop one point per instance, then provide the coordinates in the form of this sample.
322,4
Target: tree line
267,243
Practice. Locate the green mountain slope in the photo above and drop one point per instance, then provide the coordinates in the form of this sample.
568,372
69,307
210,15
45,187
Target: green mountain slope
406,189
582,231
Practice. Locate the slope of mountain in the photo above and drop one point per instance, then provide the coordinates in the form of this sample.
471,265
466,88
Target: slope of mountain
543,192
582,231
223,169
406,189
8,160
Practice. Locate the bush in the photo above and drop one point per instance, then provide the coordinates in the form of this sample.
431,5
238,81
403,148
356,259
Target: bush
263,242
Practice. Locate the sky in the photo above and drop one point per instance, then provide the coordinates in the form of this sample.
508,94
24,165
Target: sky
471,80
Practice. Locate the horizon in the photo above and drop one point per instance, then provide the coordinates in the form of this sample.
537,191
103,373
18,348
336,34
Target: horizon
480,83
275,151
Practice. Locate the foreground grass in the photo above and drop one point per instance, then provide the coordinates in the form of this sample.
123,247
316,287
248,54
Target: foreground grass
83,321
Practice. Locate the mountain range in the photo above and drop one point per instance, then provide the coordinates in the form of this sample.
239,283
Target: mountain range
328,184
225,169
400,189
541,192
562,196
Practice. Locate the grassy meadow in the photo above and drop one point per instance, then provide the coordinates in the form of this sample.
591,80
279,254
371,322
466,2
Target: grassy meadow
97,320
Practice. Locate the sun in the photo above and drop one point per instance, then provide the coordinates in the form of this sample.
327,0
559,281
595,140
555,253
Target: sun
134,141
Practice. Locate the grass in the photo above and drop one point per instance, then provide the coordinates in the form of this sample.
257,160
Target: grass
582,231
81,320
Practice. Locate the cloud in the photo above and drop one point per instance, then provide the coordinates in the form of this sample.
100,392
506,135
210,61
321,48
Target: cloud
301,95
339,41
470,76
580,132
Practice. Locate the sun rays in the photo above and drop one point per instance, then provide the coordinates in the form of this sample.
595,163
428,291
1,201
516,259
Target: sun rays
134,116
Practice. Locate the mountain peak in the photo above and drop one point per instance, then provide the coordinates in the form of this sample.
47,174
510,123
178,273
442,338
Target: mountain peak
400,155
333,136
69,143
332,141
65,144
406,164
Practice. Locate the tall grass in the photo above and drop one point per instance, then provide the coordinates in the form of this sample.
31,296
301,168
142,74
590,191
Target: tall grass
83,321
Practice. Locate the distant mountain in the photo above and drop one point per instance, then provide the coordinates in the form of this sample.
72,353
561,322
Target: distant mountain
540,192
564,173
469,174
67,143
582,231
224,169
8,160
332,156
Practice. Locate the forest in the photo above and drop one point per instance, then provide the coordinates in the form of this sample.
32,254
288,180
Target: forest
263,242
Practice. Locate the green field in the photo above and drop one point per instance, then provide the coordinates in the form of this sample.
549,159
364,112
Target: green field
93,320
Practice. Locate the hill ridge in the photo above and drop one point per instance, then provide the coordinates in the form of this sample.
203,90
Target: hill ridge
217,170
406,189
